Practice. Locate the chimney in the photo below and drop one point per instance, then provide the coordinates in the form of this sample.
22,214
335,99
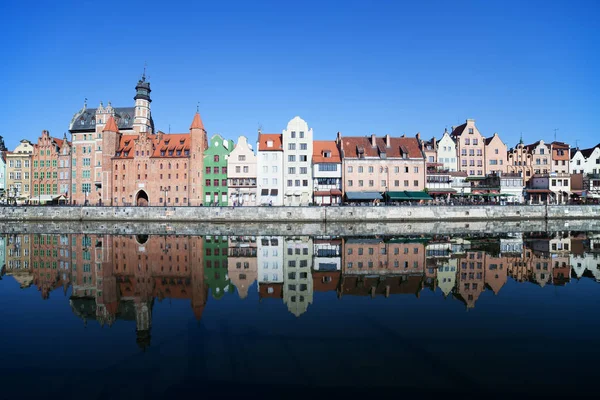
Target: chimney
159,135
452,128
388,141
373,142
338,138
419,137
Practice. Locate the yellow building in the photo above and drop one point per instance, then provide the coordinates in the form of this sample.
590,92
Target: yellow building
18,172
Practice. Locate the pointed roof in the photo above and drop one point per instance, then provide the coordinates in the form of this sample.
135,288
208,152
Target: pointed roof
111,125
197,122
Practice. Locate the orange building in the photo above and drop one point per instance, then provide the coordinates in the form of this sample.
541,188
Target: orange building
46,182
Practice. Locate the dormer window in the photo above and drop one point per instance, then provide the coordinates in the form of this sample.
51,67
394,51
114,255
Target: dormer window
269,143
181,141
166,141
327,154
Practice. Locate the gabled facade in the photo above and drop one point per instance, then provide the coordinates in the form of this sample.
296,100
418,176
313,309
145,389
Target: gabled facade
153,169
541,157
241,174
585,161
446,152
327,173
45,168
297,172
495,155
470,148
561,157
18,172
269,169
215,171
519,161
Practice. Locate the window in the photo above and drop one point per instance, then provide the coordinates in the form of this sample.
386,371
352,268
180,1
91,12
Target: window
301,135
291,158
350,169
303,170
406,183
303,158
303,146
360,183
241,158
293,134
370,170
350,183
291,170
292,146
371,183
216,158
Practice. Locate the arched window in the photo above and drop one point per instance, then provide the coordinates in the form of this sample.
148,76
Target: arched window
145,166
116,167
177,166
169,165
161,166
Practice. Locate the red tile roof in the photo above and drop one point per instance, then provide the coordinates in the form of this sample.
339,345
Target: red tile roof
263,138
177,143
197,122
351,147
322,146
111,125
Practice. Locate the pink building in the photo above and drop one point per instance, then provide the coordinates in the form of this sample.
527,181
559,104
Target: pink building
470,148
372,165
495,155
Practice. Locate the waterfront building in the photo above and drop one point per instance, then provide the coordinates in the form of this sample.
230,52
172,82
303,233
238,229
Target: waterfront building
541,157
269,261
241,174
297,265
446,152
429,148
90,178
520,161
18,172
586,162
495,155
242,263
215,171
297,172
373,166
561,157
153,169
511,186
3,151
47,156
470,148
270,169
327,173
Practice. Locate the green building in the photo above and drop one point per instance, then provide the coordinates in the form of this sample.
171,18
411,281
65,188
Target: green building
215,265
215,171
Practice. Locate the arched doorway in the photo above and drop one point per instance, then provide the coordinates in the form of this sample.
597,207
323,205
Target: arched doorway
141,199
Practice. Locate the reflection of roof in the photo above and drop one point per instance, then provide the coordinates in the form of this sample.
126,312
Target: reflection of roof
380,285
270,290
322,146
325,281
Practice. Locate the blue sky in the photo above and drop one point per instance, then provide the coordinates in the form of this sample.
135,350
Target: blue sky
358,67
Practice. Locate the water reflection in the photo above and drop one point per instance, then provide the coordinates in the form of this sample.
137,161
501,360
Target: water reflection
119,277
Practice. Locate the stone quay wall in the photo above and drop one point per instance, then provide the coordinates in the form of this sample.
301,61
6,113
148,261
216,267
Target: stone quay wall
345,214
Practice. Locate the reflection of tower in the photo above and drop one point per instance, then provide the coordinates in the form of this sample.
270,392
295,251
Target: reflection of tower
143,321
107,302
298,284
199,289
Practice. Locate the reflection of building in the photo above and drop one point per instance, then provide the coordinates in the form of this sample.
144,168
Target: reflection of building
270,259
18,258
118,277
377,267
298,284
215,265
48,273
327,253
242,268
470,280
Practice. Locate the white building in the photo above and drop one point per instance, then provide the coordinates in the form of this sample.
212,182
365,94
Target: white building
2,174
241,174
446,152
585,161
327,173
269,169
298,281
269,259
511,185
298,151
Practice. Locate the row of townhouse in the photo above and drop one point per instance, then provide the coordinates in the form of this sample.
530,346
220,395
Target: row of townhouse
116,157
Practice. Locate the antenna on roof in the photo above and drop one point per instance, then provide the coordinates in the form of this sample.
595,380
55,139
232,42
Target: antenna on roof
555,129
85,103
260,127
197,107
169,128
576,143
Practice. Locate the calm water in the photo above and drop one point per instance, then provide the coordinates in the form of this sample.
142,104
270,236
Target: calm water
106,316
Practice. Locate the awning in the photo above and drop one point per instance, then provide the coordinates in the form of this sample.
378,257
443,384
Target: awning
538,191
43,198
274,192
322,193
398,196
364,196
418,196
264,192
336,192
